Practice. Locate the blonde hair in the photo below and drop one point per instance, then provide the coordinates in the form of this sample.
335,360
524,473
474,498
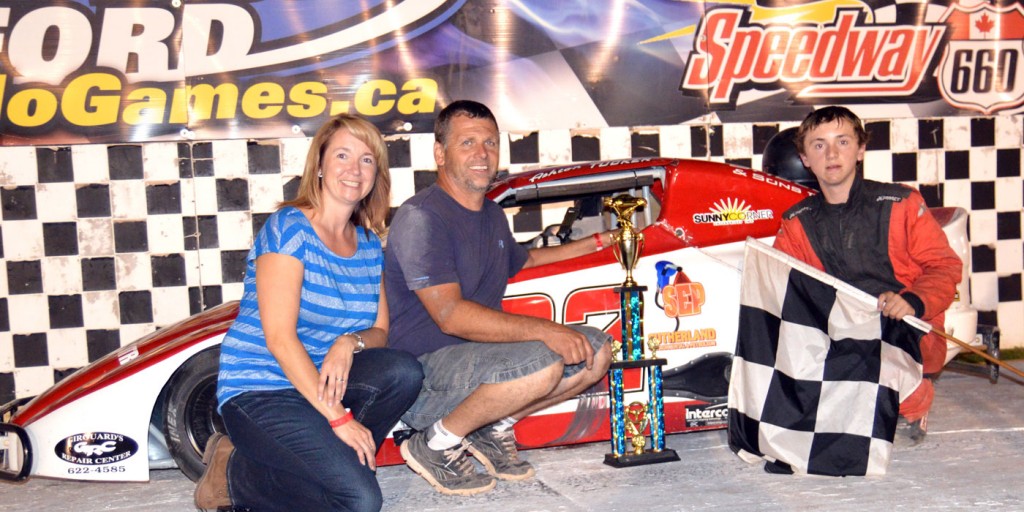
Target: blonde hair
373,210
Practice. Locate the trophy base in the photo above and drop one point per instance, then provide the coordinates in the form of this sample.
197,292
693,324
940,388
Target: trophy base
631,459
637,363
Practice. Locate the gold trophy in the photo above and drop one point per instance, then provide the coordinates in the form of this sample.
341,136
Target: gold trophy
633,421
628,242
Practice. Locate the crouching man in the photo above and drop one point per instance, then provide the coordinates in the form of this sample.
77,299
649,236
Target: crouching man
450,254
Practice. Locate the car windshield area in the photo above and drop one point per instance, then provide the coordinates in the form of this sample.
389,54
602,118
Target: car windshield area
561,218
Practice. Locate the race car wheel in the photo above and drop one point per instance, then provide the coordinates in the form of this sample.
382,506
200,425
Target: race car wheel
191,416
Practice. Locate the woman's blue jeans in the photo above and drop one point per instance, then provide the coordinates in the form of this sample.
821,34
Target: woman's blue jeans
288,458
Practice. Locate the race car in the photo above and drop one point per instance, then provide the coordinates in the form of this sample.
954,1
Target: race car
152,404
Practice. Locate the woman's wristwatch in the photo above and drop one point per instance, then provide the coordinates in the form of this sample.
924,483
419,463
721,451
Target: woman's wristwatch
360,344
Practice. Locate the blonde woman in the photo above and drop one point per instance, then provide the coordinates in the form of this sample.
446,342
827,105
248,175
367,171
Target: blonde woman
306,387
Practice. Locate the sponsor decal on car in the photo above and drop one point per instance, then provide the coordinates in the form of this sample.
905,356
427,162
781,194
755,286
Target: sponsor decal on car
685,338
730,212
679,295
96,448
128,355
594,165
769,179
683,299
707,416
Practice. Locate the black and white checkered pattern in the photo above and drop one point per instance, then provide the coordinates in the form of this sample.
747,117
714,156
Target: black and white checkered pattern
819,374
101,244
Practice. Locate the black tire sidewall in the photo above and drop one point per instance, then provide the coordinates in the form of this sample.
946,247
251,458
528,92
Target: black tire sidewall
186,429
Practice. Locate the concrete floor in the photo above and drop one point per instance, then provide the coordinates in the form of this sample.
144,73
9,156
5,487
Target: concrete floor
972,458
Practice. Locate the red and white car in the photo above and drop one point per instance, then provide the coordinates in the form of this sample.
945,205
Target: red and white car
152,403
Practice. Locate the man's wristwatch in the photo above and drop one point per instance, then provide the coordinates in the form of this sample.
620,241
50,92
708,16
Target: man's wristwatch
360,344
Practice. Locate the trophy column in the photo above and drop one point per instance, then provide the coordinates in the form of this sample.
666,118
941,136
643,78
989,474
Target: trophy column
633,420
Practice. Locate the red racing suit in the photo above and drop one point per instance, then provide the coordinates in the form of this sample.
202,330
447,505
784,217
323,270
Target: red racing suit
882,239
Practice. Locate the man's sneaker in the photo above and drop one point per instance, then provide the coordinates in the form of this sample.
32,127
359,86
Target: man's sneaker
910,433
212,488
496,450
449,471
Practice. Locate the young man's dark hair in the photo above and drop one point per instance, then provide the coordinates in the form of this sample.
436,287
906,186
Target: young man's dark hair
828,115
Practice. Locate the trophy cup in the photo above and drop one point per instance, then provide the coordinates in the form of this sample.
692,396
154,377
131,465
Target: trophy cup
633,421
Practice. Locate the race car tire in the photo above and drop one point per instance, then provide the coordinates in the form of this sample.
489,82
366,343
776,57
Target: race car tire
191,411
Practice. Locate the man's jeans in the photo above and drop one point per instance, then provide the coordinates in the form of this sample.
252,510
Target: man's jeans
288,458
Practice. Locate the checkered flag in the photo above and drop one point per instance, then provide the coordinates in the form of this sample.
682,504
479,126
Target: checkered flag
818,374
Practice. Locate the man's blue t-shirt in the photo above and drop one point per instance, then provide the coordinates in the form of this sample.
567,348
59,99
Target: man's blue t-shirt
434,240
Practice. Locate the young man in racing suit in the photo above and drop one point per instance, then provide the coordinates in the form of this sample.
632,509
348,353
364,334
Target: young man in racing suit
879,237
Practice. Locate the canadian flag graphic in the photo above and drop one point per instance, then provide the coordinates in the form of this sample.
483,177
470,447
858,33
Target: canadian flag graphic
984,22
984,25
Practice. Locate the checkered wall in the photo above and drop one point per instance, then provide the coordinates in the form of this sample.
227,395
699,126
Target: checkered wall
101,245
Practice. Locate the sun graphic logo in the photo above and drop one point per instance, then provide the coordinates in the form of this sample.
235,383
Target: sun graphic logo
730,211
983,65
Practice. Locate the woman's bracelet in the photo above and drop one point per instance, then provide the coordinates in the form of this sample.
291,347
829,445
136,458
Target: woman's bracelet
341,420
600,245
360,344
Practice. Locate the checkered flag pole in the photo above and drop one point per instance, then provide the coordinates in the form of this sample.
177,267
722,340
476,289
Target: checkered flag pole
818,373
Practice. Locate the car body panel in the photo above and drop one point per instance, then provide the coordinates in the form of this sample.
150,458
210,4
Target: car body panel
113,395
104,435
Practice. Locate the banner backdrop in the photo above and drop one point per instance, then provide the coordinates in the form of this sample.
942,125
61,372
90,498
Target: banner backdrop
131,70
